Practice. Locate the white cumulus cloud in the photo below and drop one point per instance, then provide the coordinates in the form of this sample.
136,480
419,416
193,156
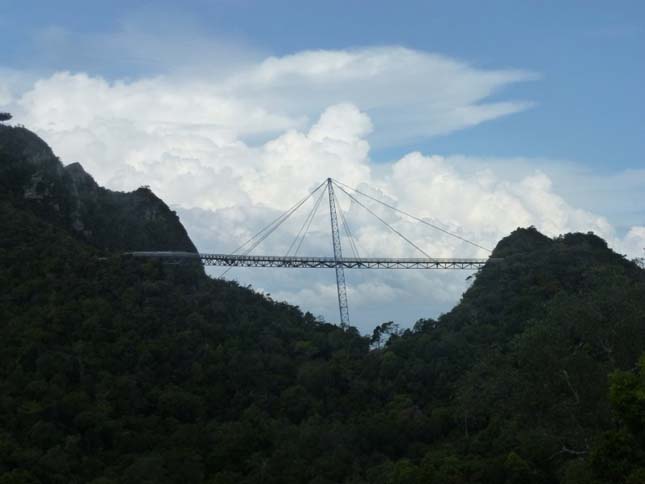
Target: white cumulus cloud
232,151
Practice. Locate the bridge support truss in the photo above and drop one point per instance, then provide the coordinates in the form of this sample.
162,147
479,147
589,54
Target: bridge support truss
232,260
343,305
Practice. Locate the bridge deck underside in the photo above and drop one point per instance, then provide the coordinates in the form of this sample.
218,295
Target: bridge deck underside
228,260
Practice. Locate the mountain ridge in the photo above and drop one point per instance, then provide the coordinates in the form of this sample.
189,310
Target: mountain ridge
34,177
115,369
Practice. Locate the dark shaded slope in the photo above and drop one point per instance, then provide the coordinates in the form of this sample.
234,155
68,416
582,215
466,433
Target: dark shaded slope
118,368
32,177
124,369
521,365
533,273
532,270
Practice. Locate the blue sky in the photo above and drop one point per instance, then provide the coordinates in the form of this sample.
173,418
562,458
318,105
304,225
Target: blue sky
479,116
589,54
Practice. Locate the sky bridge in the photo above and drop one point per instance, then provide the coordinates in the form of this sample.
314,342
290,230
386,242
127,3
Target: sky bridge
304,262
242,257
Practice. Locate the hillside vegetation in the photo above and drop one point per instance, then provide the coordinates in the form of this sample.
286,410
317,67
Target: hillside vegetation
121,370
33,178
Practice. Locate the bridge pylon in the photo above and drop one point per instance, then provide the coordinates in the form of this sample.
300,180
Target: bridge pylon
343,305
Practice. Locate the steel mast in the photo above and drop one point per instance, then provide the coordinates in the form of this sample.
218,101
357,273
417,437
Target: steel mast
338,256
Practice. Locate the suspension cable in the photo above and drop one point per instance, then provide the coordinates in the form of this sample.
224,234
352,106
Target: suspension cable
386,224
272,226
284,215
306,223
415,218
322,195
348,232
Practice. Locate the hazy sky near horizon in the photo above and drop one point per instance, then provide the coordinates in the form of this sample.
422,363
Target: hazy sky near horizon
480,116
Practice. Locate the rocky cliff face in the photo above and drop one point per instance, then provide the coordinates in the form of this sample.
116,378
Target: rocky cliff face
32,177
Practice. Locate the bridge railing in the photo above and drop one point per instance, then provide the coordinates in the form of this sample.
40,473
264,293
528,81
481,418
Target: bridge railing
175,254
294,261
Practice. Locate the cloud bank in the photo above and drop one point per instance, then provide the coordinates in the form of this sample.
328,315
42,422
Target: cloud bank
232,150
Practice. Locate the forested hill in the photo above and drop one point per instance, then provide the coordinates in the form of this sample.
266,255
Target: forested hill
32,177
119,370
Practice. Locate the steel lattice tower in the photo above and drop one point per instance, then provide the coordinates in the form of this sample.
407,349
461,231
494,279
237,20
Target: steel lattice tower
338,256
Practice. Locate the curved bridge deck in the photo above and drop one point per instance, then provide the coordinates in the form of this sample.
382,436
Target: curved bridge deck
229,260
